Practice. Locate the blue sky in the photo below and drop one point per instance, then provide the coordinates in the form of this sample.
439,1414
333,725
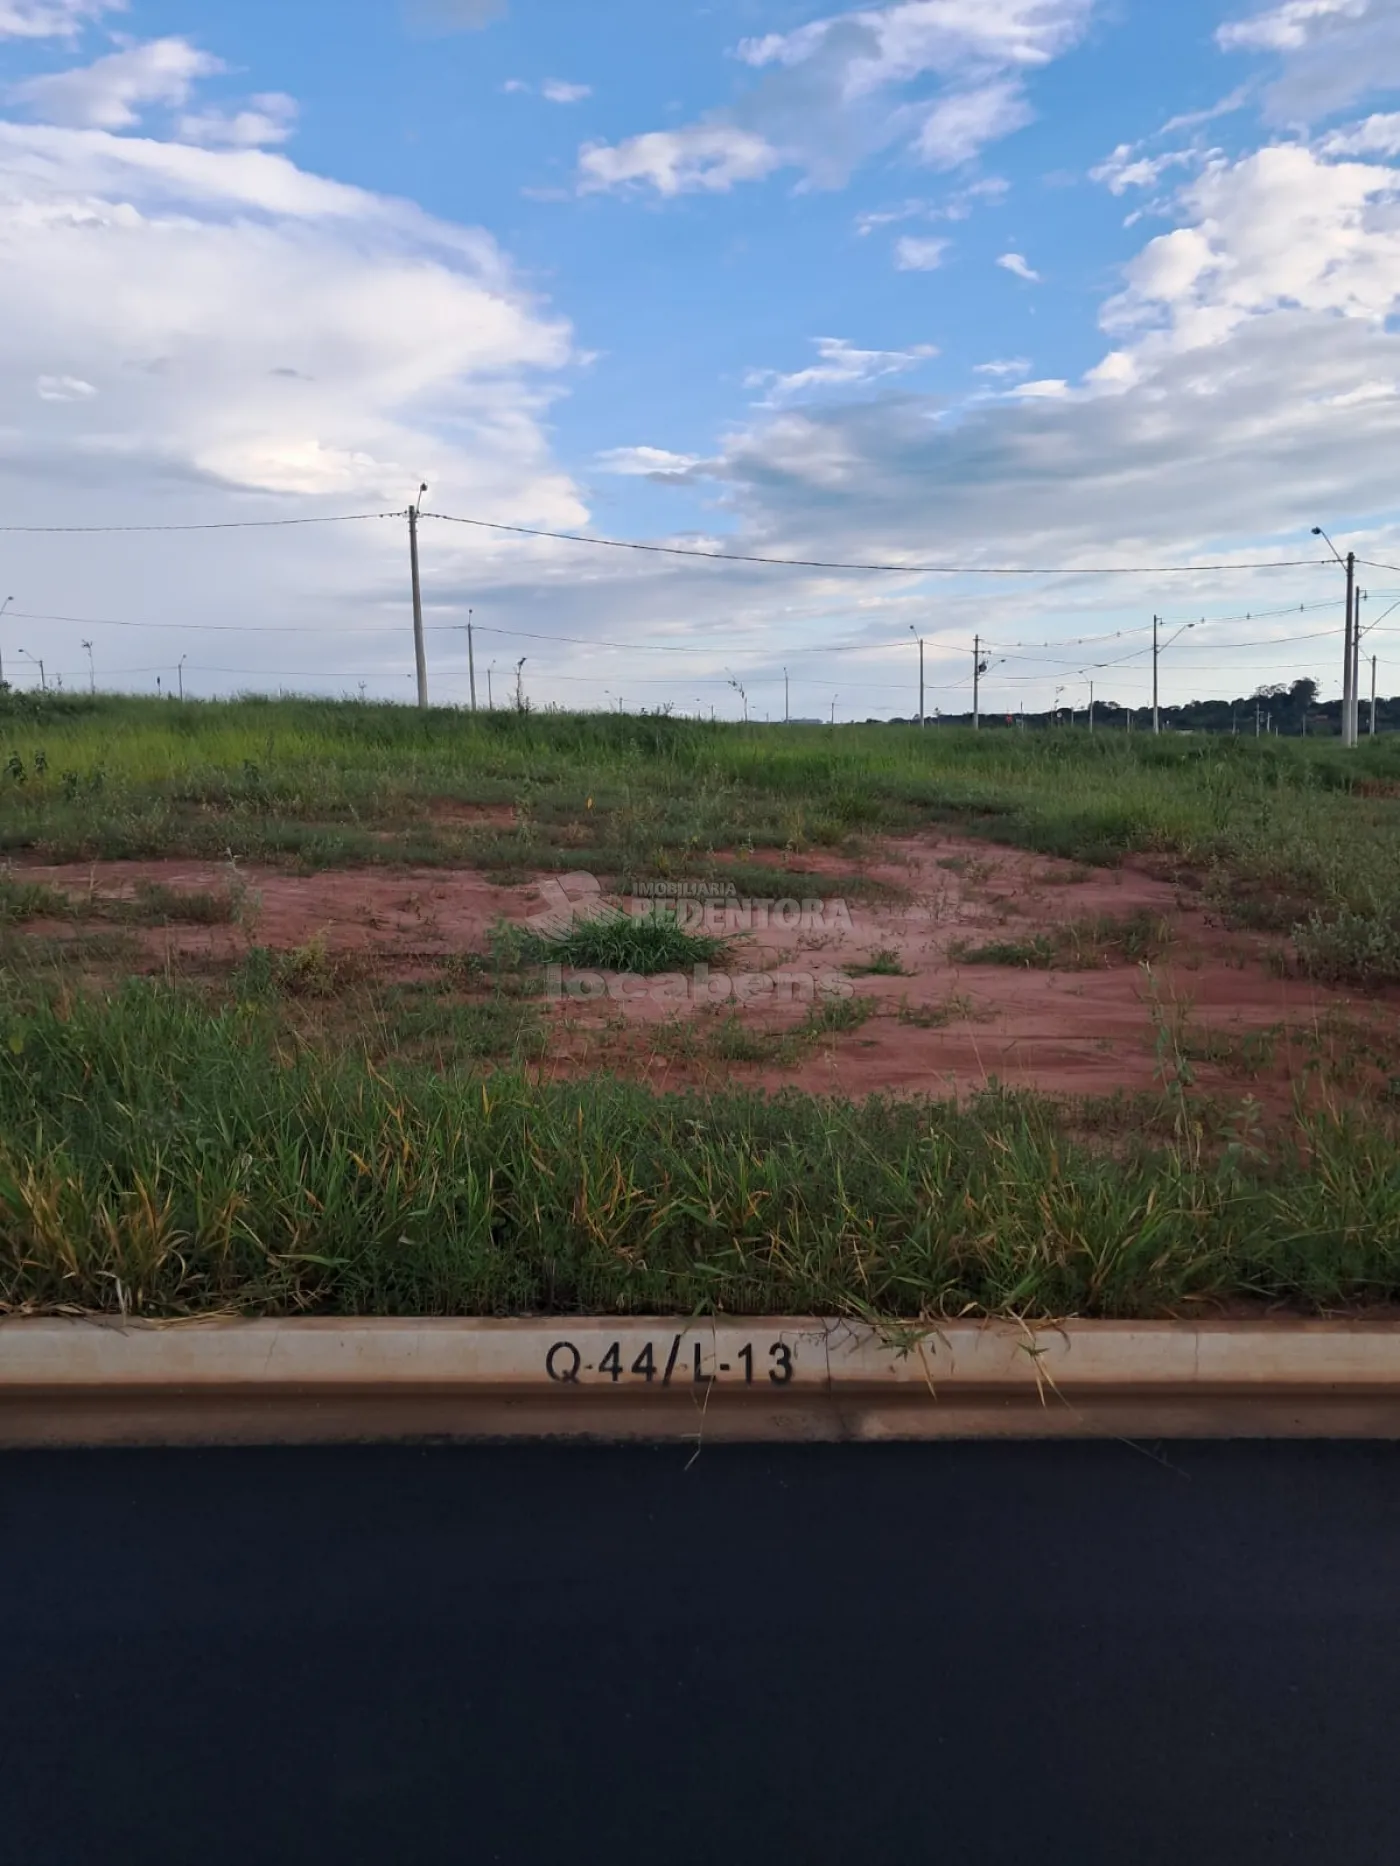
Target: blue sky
993,282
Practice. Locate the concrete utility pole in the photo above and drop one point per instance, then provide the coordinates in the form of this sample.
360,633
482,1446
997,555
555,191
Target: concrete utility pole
471,658
787,710
913,631
1349,666
976,682
180,674
92,670
3,607
1091,706
419,653
1156,716
1373,696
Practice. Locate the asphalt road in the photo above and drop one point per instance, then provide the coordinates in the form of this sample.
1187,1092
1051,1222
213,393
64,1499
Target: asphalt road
962,1654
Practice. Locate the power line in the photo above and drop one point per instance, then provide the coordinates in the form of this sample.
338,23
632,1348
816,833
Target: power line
903,570
232,524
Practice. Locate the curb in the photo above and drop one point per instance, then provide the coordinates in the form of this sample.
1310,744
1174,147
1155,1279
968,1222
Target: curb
76,1383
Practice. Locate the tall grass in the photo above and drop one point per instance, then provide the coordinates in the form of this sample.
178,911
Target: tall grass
1279,830
161,1157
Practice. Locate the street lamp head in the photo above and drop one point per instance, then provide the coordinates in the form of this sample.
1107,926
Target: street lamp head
1317,531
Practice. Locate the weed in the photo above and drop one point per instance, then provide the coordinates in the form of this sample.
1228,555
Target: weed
884,962
619,943
1076,945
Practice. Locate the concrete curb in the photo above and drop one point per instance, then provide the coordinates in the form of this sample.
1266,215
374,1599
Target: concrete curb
299,1382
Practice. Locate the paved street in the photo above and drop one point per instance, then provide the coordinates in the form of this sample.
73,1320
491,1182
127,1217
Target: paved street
1095,1654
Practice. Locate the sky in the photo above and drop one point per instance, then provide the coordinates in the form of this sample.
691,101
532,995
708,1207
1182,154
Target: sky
1103,293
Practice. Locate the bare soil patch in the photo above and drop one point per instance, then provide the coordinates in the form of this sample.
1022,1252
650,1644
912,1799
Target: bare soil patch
872,992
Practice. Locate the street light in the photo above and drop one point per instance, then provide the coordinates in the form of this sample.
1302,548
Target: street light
92,670
1349,667
520,685
919,638
1156,656
3,607
38,663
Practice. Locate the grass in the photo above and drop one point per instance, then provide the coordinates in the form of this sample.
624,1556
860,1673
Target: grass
884,962
299,1135
161,1156
1280,831
619,943
1076,945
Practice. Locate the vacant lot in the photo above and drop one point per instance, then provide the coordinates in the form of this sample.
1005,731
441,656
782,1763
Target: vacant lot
317,1007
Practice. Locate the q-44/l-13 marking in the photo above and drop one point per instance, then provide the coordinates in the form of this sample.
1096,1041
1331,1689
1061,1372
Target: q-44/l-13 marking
661,1362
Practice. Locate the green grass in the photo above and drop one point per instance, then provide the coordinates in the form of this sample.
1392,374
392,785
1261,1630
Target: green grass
162,1156
884,962
1279,831
1076,945
618,943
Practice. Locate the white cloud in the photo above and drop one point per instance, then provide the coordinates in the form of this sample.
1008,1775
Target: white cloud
268,118
1377,136
647,462
707,158
1332,52
64,389
111,93
961,124
843,87
841,366
1280,230
1289,27
245,322
913,255
1017,263
556,91
1003,367
52,19
1127,168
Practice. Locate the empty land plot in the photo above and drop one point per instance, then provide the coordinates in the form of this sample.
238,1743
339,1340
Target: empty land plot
343,1008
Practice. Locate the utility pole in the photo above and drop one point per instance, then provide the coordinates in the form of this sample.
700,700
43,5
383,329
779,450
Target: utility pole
92,671
1156,716
976,682
913,631
3,607
1091,706
787,711
1373,696
490,698
471,658
1349,669
180,672
419,654
520,684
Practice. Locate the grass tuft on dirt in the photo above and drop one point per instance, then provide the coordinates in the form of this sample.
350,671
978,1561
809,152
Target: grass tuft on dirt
620,943
163,1157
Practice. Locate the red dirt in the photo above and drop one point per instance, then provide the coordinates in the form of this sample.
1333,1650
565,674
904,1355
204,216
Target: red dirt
1076,1032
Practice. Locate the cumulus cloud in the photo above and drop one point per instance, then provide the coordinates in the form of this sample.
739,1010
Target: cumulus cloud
1377,136
244,322
52,19
1331,52
840,365
556,91
111,93
915,255
1018,264
705,158
1003,367
657,463
841,88
1127,167
268,118
64,389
